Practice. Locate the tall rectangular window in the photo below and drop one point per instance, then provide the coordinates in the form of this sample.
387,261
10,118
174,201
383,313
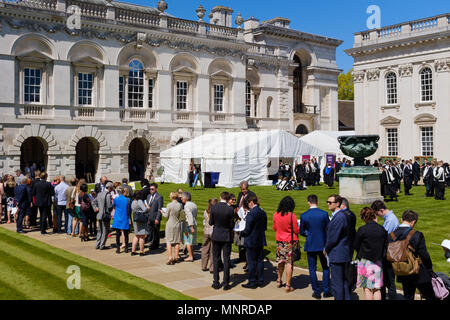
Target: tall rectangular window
32,85
392,142
182,95
85,82
121,91
427,141
391,88
248,98
426,85
218,97
150,93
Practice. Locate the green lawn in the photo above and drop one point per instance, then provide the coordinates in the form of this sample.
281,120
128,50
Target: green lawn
30,269
434,216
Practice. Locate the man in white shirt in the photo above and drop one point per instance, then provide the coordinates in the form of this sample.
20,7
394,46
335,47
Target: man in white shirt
439,176
60,196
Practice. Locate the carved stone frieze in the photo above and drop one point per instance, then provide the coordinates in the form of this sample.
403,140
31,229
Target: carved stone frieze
442,65
358,76
373,74
405,70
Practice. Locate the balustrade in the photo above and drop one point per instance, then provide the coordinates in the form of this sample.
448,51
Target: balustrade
86,112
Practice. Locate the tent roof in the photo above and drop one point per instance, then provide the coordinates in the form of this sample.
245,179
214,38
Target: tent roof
231,145
326,141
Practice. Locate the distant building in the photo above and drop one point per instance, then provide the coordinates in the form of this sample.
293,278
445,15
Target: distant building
107,98
402,87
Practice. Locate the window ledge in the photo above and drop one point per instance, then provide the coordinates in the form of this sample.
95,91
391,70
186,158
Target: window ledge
431,104
390,106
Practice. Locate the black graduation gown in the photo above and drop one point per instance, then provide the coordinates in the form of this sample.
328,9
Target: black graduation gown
328,178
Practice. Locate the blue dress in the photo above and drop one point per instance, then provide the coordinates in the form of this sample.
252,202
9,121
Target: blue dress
122,213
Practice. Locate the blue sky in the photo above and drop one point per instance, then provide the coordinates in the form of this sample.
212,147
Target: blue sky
332,18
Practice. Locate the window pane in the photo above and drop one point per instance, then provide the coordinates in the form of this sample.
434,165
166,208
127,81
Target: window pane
85,88
136,84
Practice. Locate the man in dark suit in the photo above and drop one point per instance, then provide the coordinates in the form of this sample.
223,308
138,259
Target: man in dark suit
408,177
439,181
155,203
222,219
416,172
254,241
337,248
102,184
245,192
145,188
422,280
43,192
351,221
22,199
125,185
313,226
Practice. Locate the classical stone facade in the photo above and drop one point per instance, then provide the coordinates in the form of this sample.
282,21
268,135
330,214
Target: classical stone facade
107,97
402,87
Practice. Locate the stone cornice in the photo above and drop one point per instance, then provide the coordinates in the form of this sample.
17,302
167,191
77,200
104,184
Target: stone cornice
396,43
296,35
154,39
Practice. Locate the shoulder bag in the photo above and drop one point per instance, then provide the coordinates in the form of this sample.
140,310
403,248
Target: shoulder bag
140,217
296,253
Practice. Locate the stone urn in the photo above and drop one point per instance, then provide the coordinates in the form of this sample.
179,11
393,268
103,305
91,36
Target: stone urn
360,184
359,147
200,12
162,6
239,20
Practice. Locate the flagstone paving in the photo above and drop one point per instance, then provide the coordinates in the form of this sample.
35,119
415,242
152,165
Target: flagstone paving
186,277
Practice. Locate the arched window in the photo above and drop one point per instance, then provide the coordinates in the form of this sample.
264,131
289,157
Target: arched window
426,85
391,88
136,84
248,98
301,129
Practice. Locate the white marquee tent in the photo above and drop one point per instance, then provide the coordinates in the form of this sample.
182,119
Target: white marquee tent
326,141
236,155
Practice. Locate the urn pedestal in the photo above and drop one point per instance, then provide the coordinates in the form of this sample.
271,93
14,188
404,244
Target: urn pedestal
360,185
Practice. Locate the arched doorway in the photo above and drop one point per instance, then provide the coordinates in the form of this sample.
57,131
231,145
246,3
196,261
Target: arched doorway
298,82
137,159
301,129
86,159
33,151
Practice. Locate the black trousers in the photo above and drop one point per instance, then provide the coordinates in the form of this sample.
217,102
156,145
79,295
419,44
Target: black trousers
33,216
425,289
440,191
43,216
19,221
388,282
221,248
408,185
118,234
154,236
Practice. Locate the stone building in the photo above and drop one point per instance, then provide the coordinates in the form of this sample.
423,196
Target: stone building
107,97
402,87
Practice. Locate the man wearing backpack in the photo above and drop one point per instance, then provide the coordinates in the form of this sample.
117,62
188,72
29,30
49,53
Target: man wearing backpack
421,280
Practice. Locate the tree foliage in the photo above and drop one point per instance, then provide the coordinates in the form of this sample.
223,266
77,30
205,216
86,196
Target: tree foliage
345,86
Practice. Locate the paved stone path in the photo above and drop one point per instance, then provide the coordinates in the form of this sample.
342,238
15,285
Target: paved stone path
186,277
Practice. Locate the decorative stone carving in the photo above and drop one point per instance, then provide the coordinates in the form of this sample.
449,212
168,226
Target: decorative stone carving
145,134
390,121
373,74
200,12
442,65
405,70
358,76
425,119
140,39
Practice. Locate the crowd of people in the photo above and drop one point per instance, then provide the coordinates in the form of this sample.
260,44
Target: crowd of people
435,175
349,258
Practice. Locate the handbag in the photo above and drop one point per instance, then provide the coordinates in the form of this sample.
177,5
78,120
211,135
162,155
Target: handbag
440,291
296,253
